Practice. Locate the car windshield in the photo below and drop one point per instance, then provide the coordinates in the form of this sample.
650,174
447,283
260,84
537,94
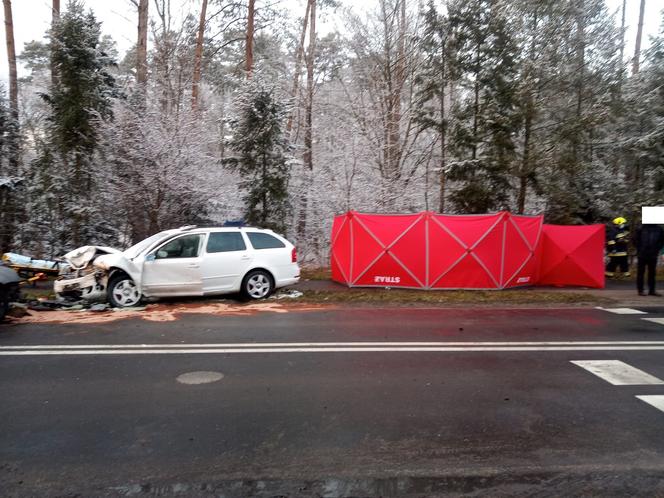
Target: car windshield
136,249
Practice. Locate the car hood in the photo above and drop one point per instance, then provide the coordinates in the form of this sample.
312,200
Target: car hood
106,261
81,257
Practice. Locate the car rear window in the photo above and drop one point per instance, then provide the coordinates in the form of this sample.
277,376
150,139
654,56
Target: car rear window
264,241
225,242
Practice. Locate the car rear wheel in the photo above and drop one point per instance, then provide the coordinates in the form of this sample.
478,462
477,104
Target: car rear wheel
123,292
257,285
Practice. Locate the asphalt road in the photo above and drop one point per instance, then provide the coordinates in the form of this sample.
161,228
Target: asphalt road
353,402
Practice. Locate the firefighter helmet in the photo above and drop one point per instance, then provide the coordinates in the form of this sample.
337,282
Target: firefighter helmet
619,220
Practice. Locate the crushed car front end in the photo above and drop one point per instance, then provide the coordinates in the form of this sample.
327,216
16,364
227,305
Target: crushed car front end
79,278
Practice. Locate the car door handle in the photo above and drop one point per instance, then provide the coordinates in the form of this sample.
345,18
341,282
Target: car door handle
245,258
192,265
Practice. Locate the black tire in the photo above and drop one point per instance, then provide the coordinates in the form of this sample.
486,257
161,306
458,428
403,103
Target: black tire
257,284
4,301
122,291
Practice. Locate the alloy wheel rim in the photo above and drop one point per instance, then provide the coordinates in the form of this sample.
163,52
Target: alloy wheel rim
258,286
126,293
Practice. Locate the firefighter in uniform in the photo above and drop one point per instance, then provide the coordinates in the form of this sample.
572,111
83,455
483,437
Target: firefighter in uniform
617,246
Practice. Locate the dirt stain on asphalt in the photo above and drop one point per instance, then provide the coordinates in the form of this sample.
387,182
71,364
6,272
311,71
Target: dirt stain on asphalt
161,312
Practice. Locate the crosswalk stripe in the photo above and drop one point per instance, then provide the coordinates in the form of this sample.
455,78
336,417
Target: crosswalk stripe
618,373
623,311
655,400
659,321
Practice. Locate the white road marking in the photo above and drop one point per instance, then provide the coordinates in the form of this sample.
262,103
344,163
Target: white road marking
623,311
655,400
335,344
329,347
618,373
660,321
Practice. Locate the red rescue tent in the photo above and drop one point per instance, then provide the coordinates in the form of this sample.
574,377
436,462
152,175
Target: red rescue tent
432,251
572,255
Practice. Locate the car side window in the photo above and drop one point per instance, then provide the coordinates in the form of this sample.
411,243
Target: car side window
264,241
225,242
182,247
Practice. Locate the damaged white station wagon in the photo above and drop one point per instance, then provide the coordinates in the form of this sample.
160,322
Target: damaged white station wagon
188,261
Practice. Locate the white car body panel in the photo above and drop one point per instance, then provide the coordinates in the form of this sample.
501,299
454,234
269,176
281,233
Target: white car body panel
223,271
179,276
133,268
172,277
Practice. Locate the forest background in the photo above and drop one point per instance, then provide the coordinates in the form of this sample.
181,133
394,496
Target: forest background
228,110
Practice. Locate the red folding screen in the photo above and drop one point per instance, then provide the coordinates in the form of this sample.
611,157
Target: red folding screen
572,255
432,251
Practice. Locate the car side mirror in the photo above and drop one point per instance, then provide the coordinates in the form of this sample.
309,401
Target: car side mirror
162,254
150,257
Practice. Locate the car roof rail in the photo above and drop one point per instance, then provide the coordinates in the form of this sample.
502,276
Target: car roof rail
187,227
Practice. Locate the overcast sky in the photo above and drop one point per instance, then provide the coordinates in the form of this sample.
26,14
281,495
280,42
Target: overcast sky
32,19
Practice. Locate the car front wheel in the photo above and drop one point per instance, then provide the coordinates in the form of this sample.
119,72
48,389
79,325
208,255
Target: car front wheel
257,285
123,292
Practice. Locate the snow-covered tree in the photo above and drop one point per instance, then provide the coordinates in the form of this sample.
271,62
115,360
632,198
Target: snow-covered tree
259,152
161,171
80,99
10,176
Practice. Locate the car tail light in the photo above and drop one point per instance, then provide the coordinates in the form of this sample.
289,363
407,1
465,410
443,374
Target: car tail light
294,255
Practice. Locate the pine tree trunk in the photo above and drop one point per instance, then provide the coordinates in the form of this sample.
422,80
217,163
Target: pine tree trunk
621,66
298,64
11,60
198,56
77,187
249,44
7,197
308,153
142,46
55,16
580,74
400,77
443,131
622,33
639,34
525,165
222,123
476,104
529,115
308,132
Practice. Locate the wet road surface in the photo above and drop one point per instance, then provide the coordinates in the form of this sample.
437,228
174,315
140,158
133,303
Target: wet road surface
338,402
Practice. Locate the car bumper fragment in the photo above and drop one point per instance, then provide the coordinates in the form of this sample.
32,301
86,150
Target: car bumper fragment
91,286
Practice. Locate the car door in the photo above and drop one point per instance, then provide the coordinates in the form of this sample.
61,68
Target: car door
225,261
174,268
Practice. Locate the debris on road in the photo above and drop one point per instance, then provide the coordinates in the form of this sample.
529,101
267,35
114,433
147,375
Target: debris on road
76,307
40,307
287,294
130,308
17,310
100,307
